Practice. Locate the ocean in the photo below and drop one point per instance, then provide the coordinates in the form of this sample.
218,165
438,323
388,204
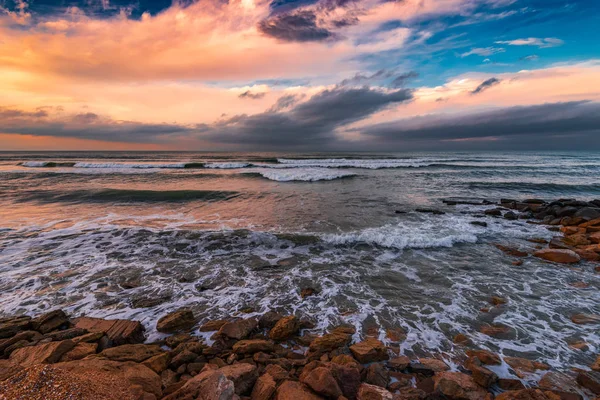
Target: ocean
139,234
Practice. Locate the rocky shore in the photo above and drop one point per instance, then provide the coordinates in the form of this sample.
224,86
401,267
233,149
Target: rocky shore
54,356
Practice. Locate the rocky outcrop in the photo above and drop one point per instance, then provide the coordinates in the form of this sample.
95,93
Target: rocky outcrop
562,256
46,353
291,390
132,352
239,329
209,385
177,321
285,328
369,350
118,331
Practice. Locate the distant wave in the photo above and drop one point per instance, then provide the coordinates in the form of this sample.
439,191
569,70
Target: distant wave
126,195
303,175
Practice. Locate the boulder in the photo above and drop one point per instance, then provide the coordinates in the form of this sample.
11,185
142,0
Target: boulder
486,357
321,380
371,392
71,333
330,341
559,383
456,385
589,380
376,374
208,385
582,319
399,363
434,364
239,329
119,331
212,325
347,378
50,321
562,256
177,321
80,351
11,326
285,328
47,353
277,372
481,375
369,350
526,394
510,384
159,362
523,367
253,346
131,352
291,390
8,369
263,388
588,213
26,336
269,319
242,375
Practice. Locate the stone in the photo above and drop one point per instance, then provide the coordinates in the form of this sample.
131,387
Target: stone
345,359
330,341
269,319
582,319
588,213
511,216
306,292
8,369
512,251
277,372
321,380
88,337
347,378
462,339
239,329
495,212
80,351
132,352
372,392
486,357
50,321
292,390
596,365
510,384
562,256
159,362
481,375
558,382
589,380
177,321
212,325
456,385
47,353
208,385
242,375
395,334
369,350
71,333
9,327
119,331
184,357
479,223
434,364
399,363
557,243
497,330
263,388
525,394
26,336
523,367
253,346
285,328
497,301
376,374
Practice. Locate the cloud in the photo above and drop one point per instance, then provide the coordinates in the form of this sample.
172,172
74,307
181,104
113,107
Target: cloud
249,95
488,83
401,80
539,42
483,51
532,57
286,102
298,26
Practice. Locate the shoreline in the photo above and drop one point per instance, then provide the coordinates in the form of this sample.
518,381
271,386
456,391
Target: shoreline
276,356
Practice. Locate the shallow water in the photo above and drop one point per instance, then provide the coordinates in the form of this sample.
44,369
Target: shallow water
139,234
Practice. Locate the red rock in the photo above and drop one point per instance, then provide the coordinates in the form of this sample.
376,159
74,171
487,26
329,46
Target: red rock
285,328
481,375
212,325
330,341
47,353
456,385
486,357
159,362
369,350
399,363
239,329
593,222
562,256
208,385
80,351
434,364
263,388
253,346
559,383
177,321
131,352
578,239
462,339
582,319
347,378
376,374
512,251
372,392
589,380
344,359
497,330
523,366
11,326
8,369
291,390
242,375
596,365
510,384
50,321
119,331
277,372
395,334
321,380
306,292
524,394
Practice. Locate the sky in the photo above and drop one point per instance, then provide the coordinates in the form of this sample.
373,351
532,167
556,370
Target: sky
299,75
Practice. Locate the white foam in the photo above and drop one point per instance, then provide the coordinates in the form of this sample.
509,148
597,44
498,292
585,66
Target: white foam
302,174
128,166
227,165
34,164
351,163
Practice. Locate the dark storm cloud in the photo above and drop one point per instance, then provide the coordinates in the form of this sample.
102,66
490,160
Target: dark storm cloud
485,85
546,122
311,123
297,26
285,102
87,126
249,95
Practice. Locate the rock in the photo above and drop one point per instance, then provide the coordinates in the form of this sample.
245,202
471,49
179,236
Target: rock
277,372
434,364
47,353
291,390
159,362
306,292
239,329
589,380
510,384
511,251
430,211
481,375
523,366
511,216
253,346
479,223
132,352
562,256
72,333
376,374
486,357
208,385
177,321
395,334
494,212
497,330
347,378
263,388
558,382
371,392
418,368
242,375
579,239
184,357
525,394
285,328
119,331
369,350
557,243
456,385
582,319
26,336
330,341
596,365
399,363
50,321
80,351
212,325
11,326
8,369
497,301
321,380
462,339
269,319
88,337
588,213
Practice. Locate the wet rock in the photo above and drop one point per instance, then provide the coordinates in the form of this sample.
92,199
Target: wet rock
50,321
66,334
497,330
242,375
212,325
481,375
372,392
395,334
497,301
589,380
596,365
119,331
177,321
330,341
523,367
347,377
511,251
494,212
321,380
588,213
306,292
479,223
486,357
583,319
291,390
558,382
269,319
578,239
525,394
434,364
376,374
263,388
158,363
399,363
510,384
285,328
557,243
131,352
47,353
429,211
253,346
456,385
208,385
11,326
239,329
369,350
462,339
421,369
511,216
80,351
